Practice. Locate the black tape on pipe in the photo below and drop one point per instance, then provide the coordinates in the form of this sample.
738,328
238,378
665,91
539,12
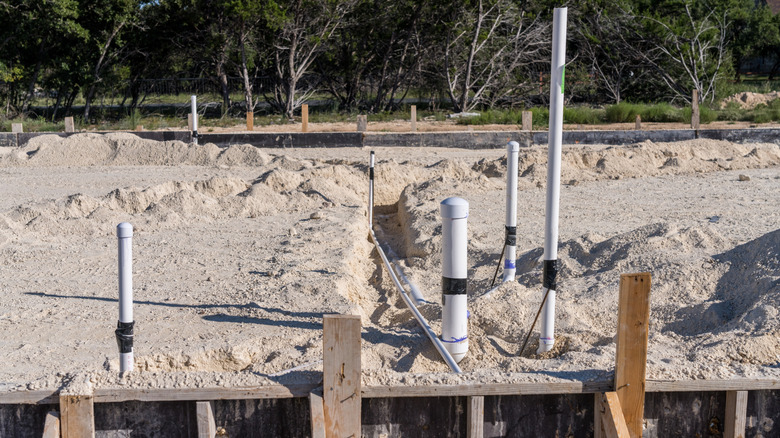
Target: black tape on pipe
550,274
511,236
124,336
194,134
371,173
453,286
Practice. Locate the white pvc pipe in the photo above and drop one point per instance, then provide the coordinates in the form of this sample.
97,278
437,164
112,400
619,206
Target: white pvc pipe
454,314
557,72
194,111
510,251
124,232
371,191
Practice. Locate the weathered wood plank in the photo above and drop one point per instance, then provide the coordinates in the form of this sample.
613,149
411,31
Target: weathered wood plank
341,374
317,414
305,118
69,125
250,121
51,428
631,346
612,419
476,417
77,416
598,412
711,385
736,414
207,426
414,118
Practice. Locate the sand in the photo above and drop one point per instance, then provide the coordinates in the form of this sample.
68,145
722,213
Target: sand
239,252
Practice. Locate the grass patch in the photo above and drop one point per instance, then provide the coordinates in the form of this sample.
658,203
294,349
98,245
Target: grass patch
33,125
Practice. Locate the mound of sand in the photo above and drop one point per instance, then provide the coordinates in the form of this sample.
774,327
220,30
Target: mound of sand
749,100
240,251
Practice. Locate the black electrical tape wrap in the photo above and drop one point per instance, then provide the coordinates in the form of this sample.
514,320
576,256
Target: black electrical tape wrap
124,336
371,173
550,274
453,286
194,134
511,236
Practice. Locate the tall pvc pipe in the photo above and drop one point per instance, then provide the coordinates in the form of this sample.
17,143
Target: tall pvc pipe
510,240
124,330
557,72
194,111
454,281
371,192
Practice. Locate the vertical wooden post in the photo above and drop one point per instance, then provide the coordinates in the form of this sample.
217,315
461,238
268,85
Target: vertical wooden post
695,110
317,414
612,421
598,426
476,417
16,128
189,122
341,375
362,123
204,413
305,117
51,428
77,416
736,414
414,118
250,121
527,121
139,127
638,123
69,125
633,321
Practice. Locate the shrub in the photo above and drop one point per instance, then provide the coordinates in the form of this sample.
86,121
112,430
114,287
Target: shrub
622,112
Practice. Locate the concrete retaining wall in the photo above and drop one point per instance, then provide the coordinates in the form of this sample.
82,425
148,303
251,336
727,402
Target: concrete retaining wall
460,139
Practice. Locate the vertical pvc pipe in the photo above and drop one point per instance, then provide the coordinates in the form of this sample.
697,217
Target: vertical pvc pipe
371,192
124,330
194,111
454,284
557,71
510,240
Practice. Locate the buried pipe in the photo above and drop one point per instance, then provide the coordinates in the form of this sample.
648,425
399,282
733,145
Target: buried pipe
124,330
394,260
550,273
510,240
409,303
194,111
454,280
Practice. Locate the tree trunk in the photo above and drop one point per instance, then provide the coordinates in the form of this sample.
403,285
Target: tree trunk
33,80
56,105
250,107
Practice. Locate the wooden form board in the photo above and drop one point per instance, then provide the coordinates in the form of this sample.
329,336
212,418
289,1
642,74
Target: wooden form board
207,426
631,360
736,414
341,374
475,422
77,416
613,424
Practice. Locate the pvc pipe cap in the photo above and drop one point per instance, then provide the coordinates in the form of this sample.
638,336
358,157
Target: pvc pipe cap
454,208
513,146
124,230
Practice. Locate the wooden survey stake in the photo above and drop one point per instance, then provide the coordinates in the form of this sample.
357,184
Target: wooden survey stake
204,413
17,128
476,417
250,121
695,110
341,375
528,120
305,118
77,416
414,118
362,123
631,361
51,427
317,414
638,123
69,125
736,414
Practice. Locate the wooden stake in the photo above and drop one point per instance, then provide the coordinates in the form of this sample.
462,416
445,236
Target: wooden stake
207,426
736,414
598,412
16,128
51,428
414,118
341,375
527,121
69,125
189,122
476,417
317,414
638,123
139,128
250,121
362,123
305,118
612,420
631,361
695,110
77,416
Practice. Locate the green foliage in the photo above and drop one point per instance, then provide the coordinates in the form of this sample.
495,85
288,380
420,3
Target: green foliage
622,112
583,115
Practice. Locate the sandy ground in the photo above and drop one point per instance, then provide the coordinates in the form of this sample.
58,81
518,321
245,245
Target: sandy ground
239,252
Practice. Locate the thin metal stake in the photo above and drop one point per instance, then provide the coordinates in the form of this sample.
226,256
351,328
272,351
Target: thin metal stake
534,324
501,257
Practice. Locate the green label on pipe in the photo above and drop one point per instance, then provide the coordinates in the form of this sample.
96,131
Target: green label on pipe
563,77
